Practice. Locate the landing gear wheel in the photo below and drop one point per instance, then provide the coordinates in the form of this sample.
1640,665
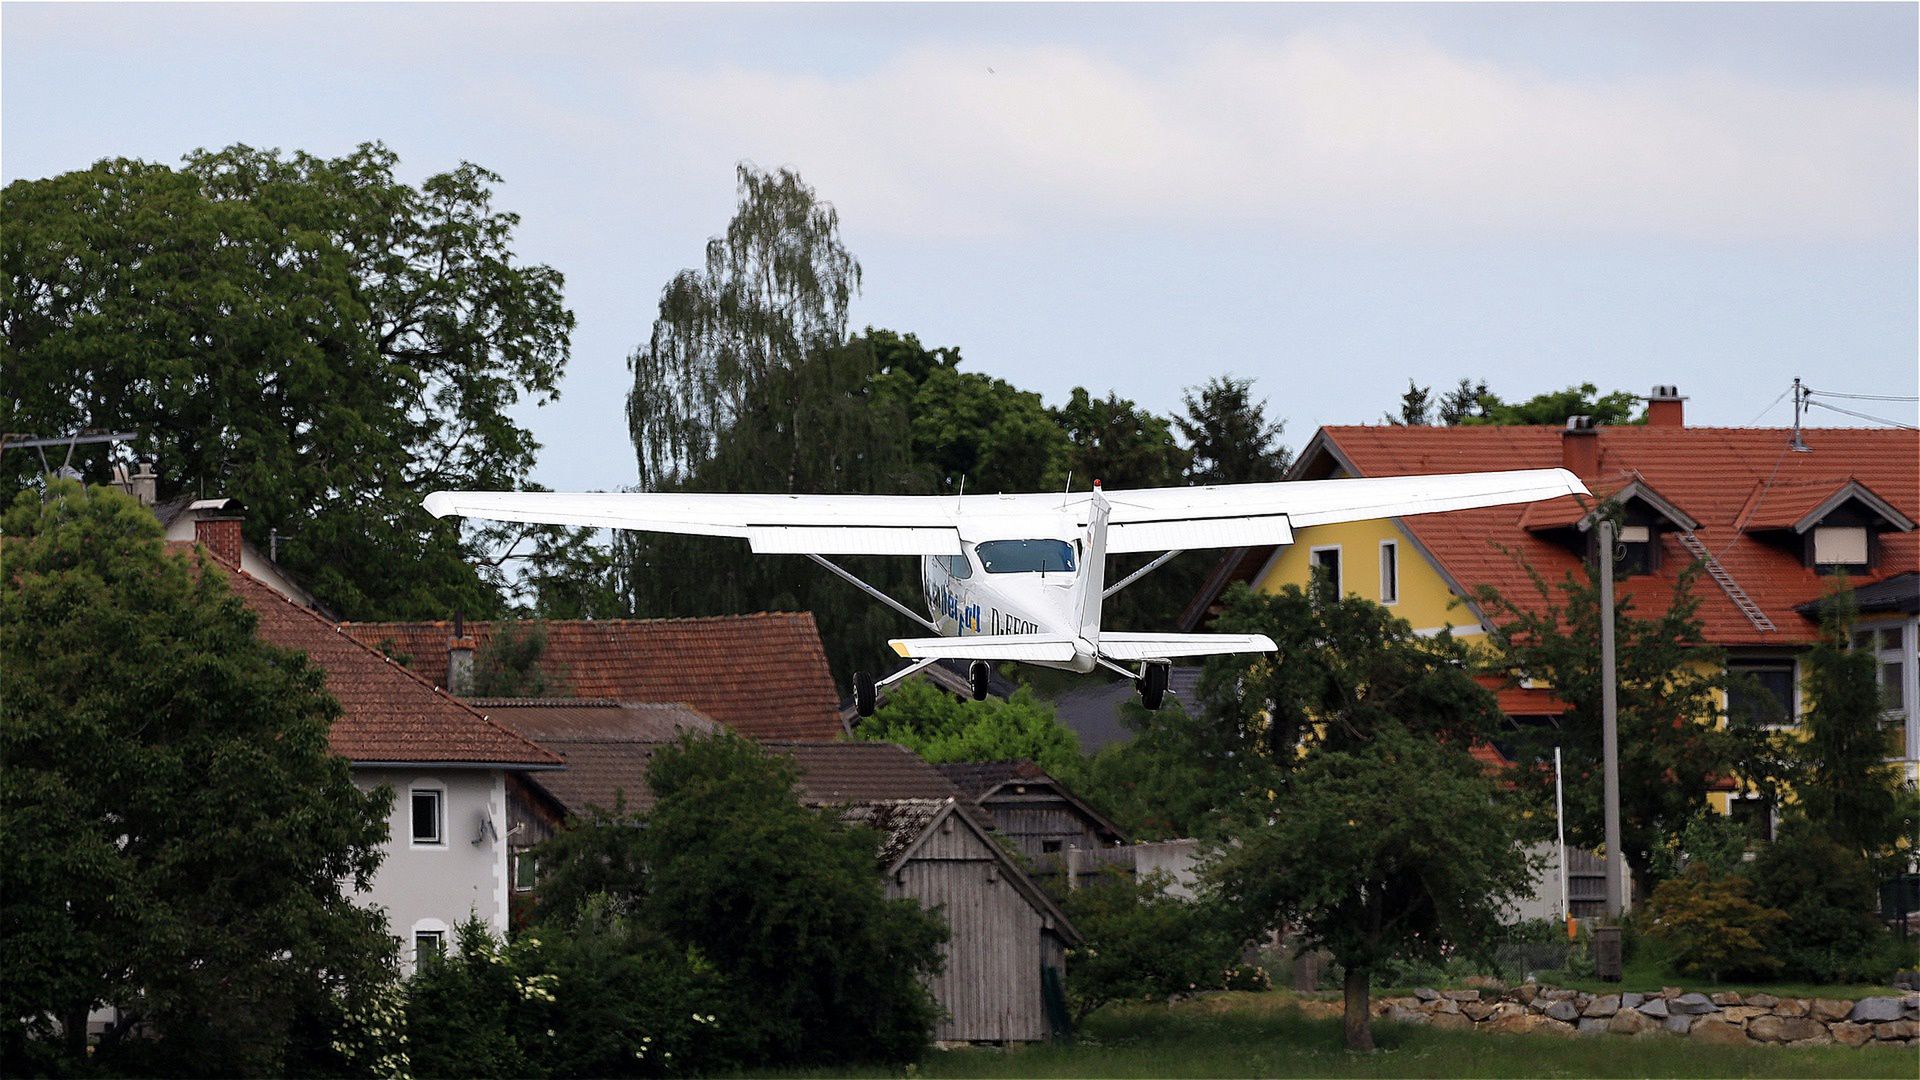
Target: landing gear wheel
863,693
978,673
1153,684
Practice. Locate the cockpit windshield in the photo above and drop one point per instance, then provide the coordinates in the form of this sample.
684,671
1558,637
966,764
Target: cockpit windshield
1026,556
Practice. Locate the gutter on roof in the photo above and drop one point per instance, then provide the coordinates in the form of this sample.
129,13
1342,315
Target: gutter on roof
511,766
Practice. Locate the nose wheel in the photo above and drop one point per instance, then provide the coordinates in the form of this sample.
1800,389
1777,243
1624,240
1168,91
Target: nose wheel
863,694
1152,683
978,673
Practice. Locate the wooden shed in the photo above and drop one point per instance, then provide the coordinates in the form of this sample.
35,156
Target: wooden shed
1006,959
1041,816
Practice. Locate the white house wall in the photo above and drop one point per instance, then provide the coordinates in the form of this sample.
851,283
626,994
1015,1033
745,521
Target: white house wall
437,887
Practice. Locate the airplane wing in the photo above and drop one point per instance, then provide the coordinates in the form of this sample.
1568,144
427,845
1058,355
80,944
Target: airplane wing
987,647
787,524
1245,515
1148,519
1117,645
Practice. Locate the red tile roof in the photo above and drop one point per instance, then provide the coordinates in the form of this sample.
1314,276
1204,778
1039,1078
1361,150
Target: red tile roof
1715,475
765,675
387,713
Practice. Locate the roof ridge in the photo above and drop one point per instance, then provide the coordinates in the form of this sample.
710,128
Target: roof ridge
408,672
469,624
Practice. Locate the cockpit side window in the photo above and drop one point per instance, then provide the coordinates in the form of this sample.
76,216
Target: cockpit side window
1026,556
959,567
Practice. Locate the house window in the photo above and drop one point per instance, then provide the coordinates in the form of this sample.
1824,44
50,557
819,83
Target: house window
428,943
1633,551
1888,646
1753,814
1840,546
429,817
1760,692
526,870
1049,846
1325,564
1389,572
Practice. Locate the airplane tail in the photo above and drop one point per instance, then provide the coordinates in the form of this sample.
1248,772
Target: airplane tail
1096,566
1119,646
987,647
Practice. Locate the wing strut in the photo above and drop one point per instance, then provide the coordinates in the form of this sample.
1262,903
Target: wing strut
1156,564
875,593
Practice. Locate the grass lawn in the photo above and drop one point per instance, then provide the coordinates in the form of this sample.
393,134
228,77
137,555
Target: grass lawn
1264,1035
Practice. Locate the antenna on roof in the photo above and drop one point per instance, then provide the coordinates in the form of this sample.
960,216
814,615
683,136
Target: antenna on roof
1068,491
1798,445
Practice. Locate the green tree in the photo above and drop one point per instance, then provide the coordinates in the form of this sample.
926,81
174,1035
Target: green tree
1179,775
1465,403
1671,752
1416,407
1831,932
1228,436
1553,407
941,728
1141,942
1844,785
773,292
1116,442
1344,667
1398,846
967,425
789,903
1711,926
178,830
510,664
311,336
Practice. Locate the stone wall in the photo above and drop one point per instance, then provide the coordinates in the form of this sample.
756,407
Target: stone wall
1725,1018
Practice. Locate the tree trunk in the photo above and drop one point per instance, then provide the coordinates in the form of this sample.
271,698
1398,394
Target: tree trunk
73,1032
1359,1027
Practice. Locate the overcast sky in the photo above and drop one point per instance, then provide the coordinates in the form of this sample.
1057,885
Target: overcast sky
1328,198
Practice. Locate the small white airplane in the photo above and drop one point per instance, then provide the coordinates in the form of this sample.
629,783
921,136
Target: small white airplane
1022,577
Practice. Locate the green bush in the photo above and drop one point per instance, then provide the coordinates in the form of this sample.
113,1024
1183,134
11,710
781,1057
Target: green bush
1143,943
1711,926
600,996
1828,894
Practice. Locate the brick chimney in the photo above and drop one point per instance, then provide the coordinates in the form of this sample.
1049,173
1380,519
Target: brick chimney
219,533
1580,446
1666,408
460,659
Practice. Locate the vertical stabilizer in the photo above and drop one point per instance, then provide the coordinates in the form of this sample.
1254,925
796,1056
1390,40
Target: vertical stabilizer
1093,575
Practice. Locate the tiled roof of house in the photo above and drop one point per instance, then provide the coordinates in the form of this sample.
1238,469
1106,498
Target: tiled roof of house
900,823
765,675
596,719
831,773
1717,476
388,714
976,778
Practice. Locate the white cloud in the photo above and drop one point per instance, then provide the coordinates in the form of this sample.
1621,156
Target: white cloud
1331,133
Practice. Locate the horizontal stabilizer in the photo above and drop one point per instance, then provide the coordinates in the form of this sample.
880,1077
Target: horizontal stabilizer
1115,645
987,647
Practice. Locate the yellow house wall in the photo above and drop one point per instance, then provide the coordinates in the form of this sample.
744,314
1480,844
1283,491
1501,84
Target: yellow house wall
1425,600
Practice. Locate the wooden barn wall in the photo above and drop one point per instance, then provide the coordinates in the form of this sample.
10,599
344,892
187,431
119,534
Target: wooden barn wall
991,983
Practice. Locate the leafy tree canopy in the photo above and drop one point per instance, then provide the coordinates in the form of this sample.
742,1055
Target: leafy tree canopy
178,829
308,335
1179,775
1844,785
1668,679
941,728
1228,436
1398,846
1345,666
509,665
1471,403
785,901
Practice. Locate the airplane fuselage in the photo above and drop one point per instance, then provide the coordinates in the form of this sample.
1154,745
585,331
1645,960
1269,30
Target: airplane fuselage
1034,584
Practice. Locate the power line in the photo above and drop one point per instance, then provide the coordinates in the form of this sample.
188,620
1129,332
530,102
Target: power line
1769,408
1864,397
1864,416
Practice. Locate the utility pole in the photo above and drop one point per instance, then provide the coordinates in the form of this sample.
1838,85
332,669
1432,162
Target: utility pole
1610,724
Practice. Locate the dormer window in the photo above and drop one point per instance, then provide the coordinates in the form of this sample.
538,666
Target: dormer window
1840,547
1635,551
